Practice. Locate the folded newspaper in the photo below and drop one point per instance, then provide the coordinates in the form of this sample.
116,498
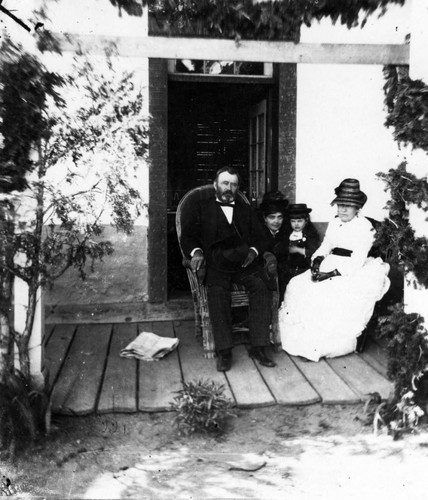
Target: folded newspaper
149,347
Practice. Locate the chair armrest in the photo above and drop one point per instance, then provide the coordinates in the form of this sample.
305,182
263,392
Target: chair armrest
186,263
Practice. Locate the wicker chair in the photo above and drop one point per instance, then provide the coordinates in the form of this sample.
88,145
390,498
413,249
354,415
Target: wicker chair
203,329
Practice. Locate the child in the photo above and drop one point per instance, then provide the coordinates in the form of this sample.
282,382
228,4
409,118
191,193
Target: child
303,240
273,210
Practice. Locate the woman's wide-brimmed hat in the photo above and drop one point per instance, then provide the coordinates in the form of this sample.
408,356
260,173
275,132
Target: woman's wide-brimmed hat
349,193
298,210
273,202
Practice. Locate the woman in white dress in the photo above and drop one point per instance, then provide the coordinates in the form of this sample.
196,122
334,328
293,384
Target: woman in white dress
326,308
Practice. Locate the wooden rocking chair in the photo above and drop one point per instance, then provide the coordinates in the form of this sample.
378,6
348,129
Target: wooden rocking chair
203,329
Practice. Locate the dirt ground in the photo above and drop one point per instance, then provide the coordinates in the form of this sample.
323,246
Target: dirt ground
305,452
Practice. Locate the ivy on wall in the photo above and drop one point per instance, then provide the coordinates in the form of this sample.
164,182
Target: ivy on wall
407,105
395,235
279,20
406,101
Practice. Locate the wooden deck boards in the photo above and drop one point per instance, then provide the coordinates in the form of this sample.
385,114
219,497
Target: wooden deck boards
119,389
89,375
159,380
77,387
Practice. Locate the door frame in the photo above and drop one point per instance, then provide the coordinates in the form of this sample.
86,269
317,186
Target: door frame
281,156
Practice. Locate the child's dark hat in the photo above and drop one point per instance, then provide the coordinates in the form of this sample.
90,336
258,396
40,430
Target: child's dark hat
298,209
349,193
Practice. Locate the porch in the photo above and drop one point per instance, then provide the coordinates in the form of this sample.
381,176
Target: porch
88,375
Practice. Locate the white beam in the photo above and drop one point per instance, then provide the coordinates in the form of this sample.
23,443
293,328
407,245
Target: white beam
418,69
229,50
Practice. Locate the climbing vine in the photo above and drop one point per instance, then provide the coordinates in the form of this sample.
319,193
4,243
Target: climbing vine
407,105
407,339
395,235
247,19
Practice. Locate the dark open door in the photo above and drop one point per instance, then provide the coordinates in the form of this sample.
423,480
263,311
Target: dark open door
257,150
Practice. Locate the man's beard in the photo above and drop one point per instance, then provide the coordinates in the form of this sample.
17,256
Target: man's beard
226,195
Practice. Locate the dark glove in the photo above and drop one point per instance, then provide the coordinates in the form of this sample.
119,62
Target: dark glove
270,263
315,269
197,261
325,276
252,254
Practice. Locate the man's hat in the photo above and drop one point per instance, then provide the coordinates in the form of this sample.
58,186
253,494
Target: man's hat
349,193
228,255
298,209
273,202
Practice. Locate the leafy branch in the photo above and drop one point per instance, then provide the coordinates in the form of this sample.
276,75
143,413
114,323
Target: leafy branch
280,20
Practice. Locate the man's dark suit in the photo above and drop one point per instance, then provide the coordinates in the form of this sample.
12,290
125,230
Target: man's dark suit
205,226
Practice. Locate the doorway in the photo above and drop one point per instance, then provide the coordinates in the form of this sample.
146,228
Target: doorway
210,126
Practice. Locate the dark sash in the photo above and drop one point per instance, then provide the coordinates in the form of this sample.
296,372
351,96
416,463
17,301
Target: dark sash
342,252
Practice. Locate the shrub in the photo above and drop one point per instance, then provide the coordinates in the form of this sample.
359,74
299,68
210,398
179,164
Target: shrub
23,413
407,347
202,407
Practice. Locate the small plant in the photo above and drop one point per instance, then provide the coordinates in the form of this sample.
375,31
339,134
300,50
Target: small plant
202,407
398,418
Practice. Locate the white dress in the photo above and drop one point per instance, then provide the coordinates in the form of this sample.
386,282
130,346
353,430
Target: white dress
325,318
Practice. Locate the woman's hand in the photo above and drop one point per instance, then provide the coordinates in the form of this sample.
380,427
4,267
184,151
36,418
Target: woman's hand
315,269
296,249
324,276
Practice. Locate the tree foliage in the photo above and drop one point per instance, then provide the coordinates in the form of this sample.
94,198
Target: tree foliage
25,87
66,170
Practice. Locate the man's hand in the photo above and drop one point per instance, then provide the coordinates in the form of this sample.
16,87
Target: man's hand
252,254
197,261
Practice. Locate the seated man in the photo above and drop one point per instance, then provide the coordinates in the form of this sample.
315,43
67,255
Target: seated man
223,234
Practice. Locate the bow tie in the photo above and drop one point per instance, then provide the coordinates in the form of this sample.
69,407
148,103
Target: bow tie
223,204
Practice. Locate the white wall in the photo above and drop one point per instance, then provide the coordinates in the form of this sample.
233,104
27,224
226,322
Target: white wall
341,133
341,115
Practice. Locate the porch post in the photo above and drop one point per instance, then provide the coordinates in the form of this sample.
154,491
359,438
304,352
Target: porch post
158,175
415,295
36,338
287,114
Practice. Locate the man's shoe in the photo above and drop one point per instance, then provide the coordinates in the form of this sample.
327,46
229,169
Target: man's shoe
259,353
224,360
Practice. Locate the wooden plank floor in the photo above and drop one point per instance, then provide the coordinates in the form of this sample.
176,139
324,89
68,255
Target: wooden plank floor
88,375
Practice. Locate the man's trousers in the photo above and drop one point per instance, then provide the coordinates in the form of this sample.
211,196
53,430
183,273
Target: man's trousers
220,310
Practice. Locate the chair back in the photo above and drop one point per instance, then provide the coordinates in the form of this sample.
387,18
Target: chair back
192,197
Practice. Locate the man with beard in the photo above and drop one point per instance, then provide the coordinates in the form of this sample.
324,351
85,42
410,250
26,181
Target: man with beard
223,235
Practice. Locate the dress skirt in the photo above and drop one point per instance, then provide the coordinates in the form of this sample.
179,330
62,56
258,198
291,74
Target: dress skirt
325,318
